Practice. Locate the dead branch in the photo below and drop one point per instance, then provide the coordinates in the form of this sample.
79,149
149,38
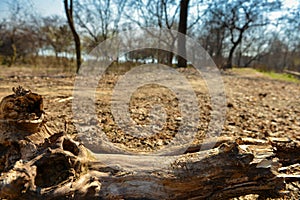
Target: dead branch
36,163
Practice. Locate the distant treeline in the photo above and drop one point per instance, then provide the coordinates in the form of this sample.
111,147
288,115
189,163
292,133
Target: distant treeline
256,33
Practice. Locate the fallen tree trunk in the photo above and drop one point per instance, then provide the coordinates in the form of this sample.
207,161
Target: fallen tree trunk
41,164
296,74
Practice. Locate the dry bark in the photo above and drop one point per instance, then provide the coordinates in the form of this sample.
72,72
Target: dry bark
36,163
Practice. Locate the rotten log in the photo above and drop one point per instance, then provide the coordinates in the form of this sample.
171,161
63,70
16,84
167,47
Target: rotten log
293,73
36,163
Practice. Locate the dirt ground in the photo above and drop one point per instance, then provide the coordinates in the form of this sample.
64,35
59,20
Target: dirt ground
256,106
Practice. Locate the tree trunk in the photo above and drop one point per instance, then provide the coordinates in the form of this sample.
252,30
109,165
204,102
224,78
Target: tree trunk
171,54
37,163
69,13
228,64
182,28
13,55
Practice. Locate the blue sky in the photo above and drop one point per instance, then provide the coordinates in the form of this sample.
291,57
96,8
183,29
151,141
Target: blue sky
49,7
55,7
42,7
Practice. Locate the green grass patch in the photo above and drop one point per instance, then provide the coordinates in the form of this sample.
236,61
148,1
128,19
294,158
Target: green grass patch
272,75
281,76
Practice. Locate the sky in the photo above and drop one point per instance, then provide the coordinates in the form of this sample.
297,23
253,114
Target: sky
42,7
49,7
55,7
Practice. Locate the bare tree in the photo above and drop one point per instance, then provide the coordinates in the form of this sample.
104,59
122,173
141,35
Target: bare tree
18,35
290,29
12,28
275,58
237,17
57,35
68,4
99,19
253,47
182,28
212,37
161,14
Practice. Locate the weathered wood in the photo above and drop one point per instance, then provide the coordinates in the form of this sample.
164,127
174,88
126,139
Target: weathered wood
223,172
288,152
296,74
47,165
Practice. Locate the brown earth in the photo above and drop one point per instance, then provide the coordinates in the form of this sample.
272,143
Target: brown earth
256,106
